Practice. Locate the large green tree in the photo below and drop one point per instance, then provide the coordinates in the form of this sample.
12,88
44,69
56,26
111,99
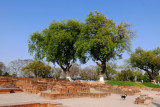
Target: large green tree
148,61
56,43
38,69
103,40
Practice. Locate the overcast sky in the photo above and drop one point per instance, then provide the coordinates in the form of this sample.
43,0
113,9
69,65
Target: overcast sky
20,18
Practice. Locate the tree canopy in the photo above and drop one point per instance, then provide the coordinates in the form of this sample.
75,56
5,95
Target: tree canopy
103,40
56,43
37,68
148,61
99,38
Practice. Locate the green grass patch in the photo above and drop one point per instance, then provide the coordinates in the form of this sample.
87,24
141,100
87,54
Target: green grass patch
149,84
124,83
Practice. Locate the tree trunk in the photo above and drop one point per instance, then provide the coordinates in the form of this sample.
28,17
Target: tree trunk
36,75
154,74
103,69
150,75
66,70
67,73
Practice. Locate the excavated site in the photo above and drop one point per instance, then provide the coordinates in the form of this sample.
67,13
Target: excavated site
53,91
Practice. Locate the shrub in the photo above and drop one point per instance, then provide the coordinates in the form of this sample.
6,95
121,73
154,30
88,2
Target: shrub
145,78
125,75
158,78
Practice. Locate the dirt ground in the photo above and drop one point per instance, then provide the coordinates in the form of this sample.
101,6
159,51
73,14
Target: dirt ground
110,101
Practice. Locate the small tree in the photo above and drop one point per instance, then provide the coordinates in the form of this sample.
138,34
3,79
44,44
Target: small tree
125,75
39,69
14,74
111,70
2,68
75,70
89,73
158,78
139,75
6,74
138,72
16,66
146,78
56,72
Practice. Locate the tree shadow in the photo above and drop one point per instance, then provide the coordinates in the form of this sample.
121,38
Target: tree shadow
158,105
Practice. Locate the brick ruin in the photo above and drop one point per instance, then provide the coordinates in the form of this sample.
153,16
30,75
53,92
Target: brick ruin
57,89
48,88
129,90
35,104
62,88
143,99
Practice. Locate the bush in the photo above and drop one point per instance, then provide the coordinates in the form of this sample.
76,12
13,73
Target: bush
145,78
14,74
158,78
6,74
139,75
125,75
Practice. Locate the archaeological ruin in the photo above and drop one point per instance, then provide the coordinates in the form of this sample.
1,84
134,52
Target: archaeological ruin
62,89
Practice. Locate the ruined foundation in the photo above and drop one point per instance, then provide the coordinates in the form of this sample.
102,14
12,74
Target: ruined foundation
60,89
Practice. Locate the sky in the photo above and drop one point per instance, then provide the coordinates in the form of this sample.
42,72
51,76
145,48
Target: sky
20,18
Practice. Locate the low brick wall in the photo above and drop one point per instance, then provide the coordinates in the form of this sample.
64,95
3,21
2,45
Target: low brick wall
34,105
155,89
129,90
73,95
143,99
9,90
70,89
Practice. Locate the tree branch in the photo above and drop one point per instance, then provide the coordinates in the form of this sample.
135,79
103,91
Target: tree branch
99,64
149,74
62,67
70,66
